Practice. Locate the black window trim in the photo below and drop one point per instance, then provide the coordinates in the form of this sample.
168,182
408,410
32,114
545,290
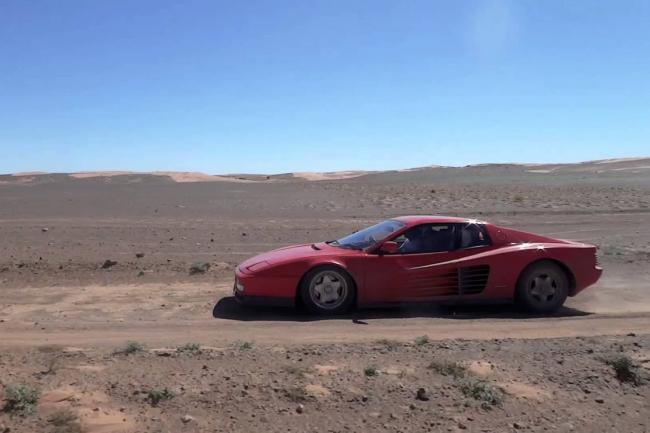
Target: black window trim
459,231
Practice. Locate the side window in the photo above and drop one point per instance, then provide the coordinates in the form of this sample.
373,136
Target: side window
473,235
427,238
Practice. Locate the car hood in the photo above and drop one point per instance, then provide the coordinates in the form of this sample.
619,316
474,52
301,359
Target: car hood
286,254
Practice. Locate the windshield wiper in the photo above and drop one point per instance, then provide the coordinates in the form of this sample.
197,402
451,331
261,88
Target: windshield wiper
346,246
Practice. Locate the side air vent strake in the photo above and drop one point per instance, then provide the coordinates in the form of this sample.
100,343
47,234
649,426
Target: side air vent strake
472,279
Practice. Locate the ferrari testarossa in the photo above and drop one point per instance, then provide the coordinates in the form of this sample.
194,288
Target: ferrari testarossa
421,259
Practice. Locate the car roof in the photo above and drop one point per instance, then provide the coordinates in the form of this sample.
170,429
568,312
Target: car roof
423,219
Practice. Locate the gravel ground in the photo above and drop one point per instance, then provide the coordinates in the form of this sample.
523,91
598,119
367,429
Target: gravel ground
499,385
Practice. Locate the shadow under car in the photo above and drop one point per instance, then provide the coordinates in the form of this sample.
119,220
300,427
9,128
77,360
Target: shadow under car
229,308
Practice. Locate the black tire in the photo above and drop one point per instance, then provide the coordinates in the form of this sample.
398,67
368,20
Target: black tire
335,295
542,288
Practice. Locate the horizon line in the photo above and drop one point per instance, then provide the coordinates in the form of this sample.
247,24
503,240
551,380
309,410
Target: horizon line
129,171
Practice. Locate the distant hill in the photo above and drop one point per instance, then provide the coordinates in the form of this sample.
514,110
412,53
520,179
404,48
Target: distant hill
620,165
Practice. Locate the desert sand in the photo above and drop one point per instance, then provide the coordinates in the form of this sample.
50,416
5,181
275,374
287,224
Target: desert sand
281,370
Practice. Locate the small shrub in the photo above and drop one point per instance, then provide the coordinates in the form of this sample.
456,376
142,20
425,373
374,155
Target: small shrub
296,394
189,349
155,396
487,394
626,370
64,421
448,368
130,348
371,371
21,398
422,340
199,268
518,199
244,345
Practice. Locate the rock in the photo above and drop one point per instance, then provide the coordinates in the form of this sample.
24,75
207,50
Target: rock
109,264
45,229
600,400
244,234
187,418
518,425
199,268
422,395
139,255
631,334
300,408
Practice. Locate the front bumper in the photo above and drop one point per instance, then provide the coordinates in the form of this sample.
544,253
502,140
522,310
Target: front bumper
239,290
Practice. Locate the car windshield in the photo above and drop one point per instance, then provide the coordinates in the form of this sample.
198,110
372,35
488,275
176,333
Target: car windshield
369,236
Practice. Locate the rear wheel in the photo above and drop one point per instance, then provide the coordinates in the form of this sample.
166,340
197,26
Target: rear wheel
327,290
542,288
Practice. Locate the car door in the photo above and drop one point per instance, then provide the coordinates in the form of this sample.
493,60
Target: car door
425,271
472,264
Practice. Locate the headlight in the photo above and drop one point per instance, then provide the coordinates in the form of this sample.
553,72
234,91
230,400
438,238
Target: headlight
239,287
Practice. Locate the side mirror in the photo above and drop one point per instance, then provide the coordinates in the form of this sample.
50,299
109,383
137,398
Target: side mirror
389,247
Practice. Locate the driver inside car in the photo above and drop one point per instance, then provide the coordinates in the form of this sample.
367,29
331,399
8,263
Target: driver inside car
427,239
417,240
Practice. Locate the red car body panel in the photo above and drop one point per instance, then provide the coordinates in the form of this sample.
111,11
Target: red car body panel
275,276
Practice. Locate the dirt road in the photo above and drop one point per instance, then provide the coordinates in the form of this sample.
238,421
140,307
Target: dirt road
101,316
224,332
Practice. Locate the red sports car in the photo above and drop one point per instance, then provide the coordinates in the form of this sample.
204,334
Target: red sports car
421,259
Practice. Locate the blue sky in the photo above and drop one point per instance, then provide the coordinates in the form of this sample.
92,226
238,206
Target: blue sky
276,86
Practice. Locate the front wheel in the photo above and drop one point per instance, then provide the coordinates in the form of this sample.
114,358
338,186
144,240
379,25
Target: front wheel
327,290
542,288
